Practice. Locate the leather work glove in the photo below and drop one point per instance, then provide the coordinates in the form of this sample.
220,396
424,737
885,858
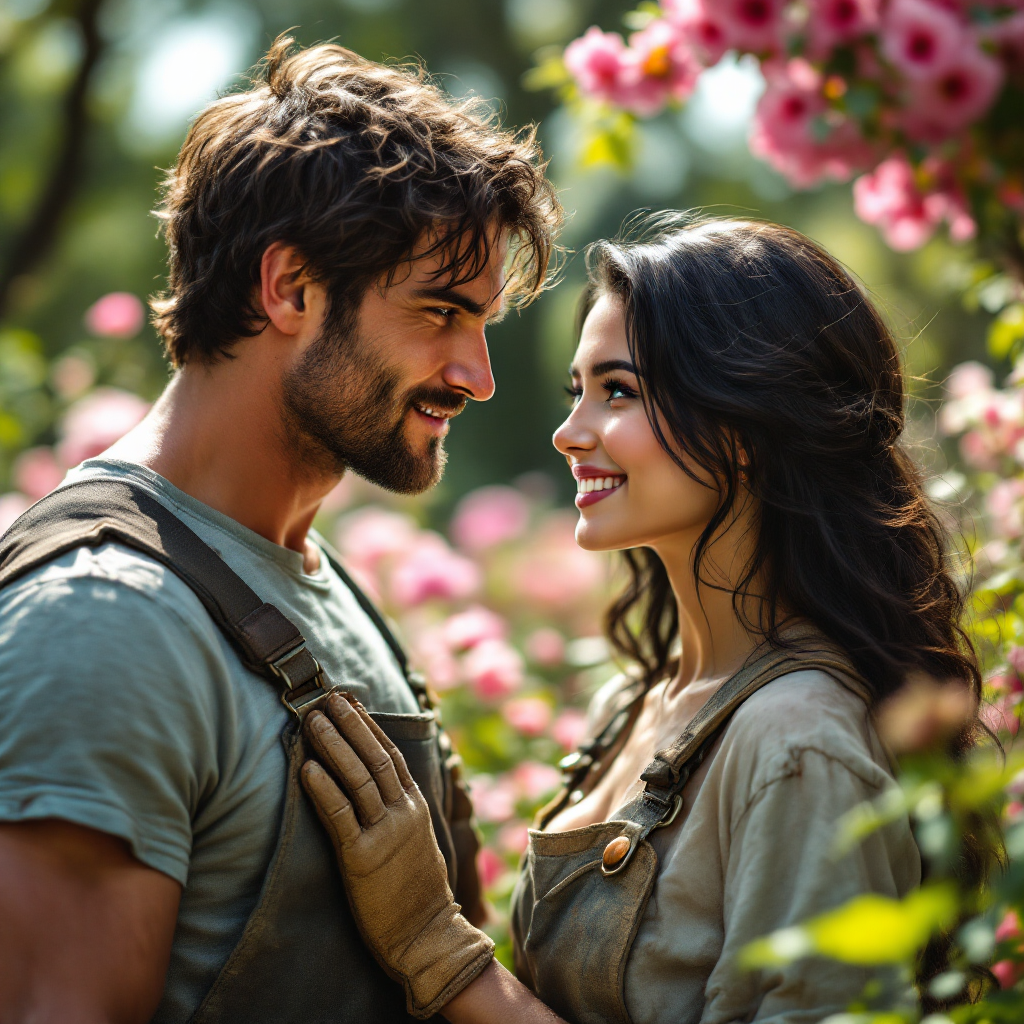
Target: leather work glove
394,874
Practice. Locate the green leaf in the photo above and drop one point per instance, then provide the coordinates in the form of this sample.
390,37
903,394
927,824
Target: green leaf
1007,331
868,930
549,71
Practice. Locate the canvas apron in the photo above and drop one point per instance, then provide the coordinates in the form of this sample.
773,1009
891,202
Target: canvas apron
581,894
303,921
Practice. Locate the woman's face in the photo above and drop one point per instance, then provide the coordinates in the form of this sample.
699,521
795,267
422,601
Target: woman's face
630,492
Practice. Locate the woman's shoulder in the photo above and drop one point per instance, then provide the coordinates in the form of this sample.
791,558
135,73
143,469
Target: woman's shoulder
808,710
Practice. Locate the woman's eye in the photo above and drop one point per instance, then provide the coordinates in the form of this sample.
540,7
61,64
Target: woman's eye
574,394
616,389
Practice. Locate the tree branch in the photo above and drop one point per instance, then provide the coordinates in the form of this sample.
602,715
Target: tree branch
38,235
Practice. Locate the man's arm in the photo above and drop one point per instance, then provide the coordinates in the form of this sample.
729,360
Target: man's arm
87,928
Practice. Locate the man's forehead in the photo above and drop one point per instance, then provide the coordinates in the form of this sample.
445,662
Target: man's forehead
478,279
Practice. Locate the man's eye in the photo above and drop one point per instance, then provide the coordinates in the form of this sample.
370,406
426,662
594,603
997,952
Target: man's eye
444,312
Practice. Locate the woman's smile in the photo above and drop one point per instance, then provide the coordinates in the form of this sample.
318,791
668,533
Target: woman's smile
594,483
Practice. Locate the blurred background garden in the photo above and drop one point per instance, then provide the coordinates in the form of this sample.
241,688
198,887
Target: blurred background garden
500,609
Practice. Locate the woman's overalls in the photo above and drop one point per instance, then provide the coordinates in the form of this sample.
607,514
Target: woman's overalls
581,894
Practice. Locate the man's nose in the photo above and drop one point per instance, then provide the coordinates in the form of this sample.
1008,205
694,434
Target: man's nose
468,370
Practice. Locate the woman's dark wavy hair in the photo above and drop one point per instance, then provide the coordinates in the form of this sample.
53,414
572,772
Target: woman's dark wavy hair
749,338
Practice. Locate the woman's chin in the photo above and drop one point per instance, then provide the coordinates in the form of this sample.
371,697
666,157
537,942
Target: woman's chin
592,536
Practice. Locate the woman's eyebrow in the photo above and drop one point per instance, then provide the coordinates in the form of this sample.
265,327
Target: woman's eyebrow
613,364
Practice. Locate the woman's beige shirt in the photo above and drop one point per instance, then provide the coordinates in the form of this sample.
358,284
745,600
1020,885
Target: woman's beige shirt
754,852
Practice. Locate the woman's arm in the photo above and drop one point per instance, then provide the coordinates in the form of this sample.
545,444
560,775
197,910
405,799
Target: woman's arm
495,997
396,879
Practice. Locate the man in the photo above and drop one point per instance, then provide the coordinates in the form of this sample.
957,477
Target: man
339,238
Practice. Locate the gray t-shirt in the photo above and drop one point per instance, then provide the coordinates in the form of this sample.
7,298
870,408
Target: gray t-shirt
123,708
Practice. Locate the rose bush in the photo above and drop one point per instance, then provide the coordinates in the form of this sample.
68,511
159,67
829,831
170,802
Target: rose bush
921,100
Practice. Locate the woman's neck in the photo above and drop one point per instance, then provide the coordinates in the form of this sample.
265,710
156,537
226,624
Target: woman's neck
715,641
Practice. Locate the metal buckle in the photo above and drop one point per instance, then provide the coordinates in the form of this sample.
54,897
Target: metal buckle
277,666
676,805
300,707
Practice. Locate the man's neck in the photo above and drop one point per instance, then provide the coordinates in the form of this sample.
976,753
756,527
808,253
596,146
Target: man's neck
217,434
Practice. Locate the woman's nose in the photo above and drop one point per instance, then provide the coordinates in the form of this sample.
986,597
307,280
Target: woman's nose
574,435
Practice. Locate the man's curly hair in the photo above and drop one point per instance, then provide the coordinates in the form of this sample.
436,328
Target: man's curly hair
355,164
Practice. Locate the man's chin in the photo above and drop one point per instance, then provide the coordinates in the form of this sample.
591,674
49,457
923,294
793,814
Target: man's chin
408,473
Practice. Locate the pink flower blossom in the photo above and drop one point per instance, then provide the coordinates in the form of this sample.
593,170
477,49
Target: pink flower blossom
1009,928
570,728
832,23
430,569
799,135
595,62
12,505
545,646
949,101
117,315
494,669
889,197
493,799
969,378
432,655
1004,683
514,838
95,422
72,375
658,65
977,452
554,571
1002,715
36,472
490,516
1005,507
490,867
534,780
529,715
921,38
468,628
714,26
369,535
1015,658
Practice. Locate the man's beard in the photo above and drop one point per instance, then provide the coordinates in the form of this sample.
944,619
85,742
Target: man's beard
343,410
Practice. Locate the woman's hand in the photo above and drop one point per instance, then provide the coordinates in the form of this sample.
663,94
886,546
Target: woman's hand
395,876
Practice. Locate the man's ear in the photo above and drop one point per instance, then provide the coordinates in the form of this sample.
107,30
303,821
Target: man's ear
284,288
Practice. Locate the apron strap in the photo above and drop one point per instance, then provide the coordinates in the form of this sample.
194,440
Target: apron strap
89,513
667,775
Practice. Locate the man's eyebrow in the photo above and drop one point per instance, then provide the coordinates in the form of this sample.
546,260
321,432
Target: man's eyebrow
452,298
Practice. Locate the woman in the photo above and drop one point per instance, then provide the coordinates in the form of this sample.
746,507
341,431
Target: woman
738,406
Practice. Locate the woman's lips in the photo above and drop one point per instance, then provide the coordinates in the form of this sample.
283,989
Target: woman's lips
603,487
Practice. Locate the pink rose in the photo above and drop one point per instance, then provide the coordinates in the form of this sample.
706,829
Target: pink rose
570,728
370,534
433,657
12,505
490,867
704,31
493,799
832,23
714,26
72,375
545,646
529,715
117,315
36,472
968,379
494,669
514,838
430,569
1015,658
1002,715
799,135
1005,507
490,516
468,628
554,571
958,94
921,38
95,422
595,62
534,780
658,65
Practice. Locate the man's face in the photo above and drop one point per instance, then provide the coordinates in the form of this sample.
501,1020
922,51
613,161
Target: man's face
376,394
